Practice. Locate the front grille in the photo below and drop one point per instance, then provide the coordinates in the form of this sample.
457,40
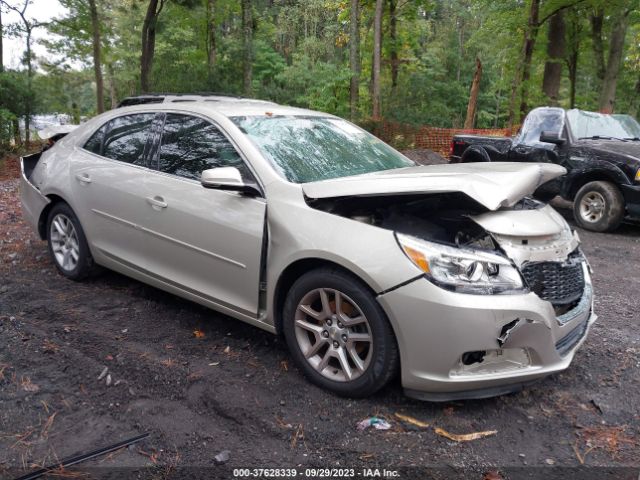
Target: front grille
572,338
561,283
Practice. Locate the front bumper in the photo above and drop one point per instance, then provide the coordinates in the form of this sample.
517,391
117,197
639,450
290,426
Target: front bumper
521,336
631,194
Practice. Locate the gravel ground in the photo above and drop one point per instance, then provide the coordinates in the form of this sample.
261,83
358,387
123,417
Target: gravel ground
201,383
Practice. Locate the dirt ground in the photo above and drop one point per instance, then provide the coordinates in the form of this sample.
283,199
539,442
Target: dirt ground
201,383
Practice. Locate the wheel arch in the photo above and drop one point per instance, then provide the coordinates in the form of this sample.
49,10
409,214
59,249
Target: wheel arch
44,215
575,183
475,153
294,271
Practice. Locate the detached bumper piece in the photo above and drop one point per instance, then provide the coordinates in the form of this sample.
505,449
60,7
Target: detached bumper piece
566,344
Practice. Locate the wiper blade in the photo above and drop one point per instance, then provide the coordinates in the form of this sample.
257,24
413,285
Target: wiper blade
633,139
602,137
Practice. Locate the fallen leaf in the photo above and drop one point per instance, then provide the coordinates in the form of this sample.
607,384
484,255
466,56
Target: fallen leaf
28,386
411,420
227,350
198,333
464,437
284,365
492,475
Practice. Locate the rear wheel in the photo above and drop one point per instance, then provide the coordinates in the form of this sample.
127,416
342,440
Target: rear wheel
599,206
67,243
338,334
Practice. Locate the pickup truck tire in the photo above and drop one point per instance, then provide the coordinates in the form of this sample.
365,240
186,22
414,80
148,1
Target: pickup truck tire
599,206
338,334
67,243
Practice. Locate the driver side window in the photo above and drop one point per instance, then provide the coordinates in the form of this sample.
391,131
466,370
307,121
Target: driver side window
538,122
190,145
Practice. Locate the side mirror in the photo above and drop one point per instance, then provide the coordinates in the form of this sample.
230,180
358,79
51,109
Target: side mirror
551,137
227,178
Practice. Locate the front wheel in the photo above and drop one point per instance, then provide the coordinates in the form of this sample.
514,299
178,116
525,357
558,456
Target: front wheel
599,206
338,334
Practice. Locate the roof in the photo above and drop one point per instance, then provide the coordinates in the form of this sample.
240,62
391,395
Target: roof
227,105
182,97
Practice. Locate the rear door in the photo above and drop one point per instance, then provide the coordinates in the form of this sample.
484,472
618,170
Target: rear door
207,242
108,183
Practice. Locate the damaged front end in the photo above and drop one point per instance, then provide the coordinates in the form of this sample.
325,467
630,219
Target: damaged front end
505,295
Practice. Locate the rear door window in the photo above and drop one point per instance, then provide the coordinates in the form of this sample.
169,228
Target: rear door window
190,145
123,138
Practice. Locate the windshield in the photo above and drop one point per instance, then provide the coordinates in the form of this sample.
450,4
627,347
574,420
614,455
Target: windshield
590,124
307,148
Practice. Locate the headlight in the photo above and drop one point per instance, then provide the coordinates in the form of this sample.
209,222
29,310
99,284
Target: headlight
461,270
637,178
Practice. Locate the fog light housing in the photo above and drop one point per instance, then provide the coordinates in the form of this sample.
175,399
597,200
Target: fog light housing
491,362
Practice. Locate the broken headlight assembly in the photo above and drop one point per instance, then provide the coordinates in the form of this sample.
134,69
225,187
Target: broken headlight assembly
463,270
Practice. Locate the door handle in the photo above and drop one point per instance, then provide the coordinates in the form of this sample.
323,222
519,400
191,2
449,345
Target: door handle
157,202
83,178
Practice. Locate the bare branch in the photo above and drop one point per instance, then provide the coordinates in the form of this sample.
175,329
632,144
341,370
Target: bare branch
559,9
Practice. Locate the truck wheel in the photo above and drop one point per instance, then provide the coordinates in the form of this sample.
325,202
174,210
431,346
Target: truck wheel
338,334
599,206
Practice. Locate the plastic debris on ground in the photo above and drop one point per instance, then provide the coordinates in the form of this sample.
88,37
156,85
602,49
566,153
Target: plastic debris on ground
375,422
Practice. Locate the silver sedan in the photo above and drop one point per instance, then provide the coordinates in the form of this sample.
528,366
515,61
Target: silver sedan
304,225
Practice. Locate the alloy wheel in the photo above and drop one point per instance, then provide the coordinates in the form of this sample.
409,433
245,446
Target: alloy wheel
64,242
333,334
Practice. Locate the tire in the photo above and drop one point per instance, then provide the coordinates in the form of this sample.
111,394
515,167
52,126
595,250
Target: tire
599,206
67,243
306,322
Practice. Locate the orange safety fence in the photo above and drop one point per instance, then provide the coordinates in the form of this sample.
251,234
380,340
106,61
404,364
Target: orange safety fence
405,136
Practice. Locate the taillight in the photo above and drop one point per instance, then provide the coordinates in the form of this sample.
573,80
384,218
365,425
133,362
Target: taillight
452,147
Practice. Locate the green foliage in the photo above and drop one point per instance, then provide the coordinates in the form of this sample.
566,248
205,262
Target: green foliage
301,55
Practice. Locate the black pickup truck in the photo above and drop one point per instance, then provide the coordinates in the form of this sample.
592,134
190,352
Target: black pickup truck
600,152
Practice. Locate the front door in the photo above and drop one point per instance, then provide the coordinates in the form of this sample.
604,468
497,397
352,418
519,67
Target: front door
207,242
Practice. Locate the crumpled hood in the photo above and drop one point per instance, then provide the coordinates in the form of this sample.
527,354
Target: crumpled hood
493,185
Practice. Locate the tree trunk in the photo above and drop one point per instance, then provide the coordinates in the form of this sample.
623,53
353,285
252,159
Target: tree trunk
616,49
473,96
16,132
377,59
574,31
211,36
529,45
513,98
393,35
573,77
555,56
29,102
112,86
633,110
1,35
247,40
97,63
597,20
149,43
354,57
